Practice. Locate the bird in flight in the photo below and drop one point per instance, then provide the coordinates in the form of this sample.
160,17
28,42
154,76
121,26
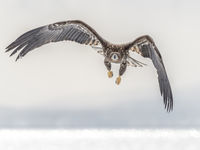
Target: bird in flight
80,32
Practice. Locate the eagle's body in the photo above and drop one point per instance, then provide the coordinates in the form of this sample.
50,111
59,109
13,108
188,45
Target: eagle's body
80,32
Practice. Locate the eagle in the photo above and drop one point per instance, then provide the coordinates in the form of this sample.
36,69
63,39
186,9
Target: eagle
82,33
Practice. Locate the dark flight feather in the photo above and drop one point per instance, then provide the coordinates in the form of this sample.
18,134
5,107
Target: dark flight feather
75,30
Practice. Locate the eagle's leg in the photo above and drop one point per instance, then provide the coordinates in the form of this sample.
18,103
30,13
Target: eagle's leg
108,66
122,69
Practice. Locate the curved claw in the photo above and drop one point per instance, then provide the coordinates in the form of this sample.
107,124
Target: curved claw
110,74
118,80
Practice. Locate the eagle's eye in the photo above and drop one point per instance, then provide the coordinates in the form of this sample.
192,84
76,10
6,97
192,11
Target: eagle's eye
114,57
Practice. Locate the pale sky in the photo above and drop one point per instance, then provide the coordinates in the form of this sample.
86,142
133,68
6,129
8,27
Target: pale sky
71,76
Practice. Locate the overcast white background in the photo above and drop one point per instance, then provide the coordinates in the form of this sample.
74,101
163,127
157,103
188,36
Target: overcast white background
69,81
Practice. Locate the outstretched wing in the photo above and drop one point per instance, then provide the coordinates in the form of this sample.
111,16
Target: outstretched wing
72,30
146,47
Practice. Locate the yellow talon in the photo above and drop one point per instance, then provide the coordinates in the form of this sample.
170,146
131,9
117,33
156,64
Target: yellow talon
118,80
110,74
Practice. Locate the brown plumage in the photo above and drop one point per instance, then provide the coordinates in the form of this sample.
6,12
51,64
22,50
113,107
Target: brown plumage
80,32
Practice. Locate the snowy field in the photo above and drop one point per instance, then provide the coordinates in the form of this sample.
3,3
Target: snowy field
93,139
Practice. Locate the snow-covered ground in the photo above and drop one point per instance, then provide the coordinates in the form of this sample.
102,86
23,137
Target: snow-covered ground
94,139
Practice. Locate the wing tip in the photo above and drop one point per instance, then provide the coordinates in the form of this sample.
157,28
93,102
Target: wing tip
9,47
168,102
18,57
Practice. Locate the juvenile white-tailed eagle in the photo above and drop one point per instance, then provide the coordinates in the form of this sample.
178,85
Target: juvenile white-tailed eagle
80,32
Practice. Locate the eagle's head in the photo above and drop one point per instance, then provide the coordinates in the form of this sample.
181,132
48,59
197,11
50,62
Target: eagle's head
115,57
